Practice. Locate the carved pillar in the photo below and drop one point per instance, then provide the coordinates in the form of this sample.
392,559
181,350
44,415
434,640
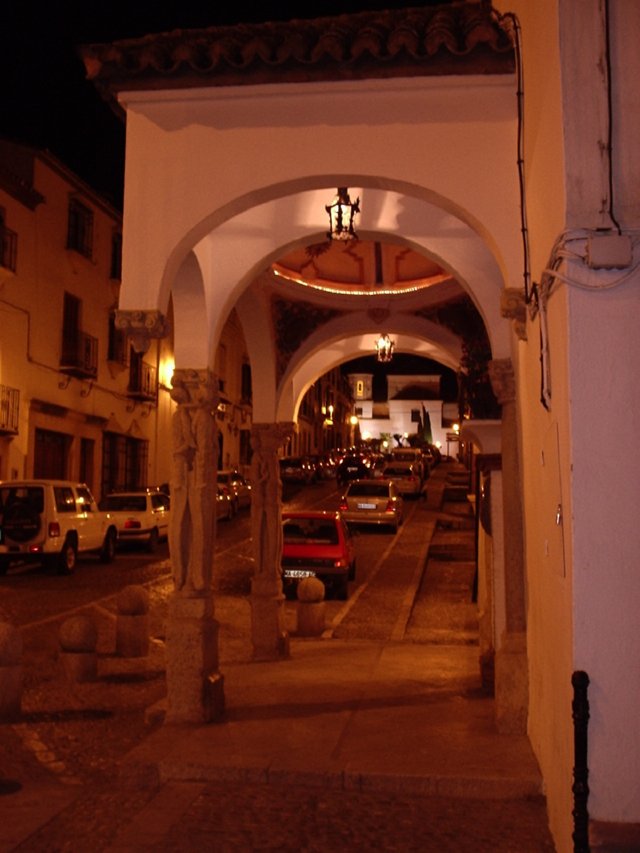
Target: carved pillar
511,673
268,632
195,687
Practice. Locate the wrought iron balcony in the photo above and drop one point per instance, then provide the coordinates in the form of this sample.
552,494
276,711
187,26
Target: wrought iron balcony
9,410
80,355
8,249
143,381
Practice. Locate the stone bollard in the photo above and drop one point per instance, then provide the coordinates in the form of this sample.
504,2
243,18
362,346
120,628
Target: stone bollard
311,607
10,671
132,624
78,641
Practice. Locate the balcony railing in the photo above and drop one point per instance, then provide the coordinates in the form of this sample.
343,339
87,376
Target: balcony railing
8,249
143,382
9,410
80,355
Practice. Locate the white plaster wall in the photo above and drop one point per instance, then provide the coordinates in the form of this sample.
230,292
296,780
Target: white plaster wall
605,365
193,162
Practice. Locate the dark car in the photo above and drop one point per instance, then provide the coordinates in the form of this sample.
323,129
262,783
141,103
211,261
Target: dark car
353,468
296,469
317,544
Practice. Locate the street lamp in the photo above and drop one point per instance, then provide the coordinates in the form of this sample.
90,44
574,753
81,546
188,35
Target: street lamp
384,348
342,212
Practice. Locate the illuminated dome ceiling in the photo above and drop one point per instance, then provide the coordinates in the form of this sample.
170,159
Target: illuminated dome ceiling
360,268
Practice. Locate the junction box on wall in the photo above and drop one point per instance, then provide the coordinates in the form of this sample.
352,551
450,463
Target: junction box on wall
609,251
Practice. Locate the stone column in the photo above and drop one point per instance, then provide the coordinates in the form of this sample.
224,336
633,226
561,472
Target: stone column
268,632
511,669
195,687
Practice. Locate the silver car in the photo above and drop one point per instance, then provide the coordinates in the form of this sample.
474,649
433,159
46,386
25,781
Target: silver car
372,502
406,477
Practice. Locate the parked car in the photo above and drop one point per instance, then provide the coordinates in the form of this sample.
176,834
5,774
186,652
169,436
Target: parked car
238,487
317,544
52,522
296,469
415,456
353,468
224,505
141,516
372,502
406,478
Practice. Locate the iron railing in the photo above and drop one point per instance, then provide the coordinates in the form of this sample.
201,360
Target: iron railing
80,355
143,381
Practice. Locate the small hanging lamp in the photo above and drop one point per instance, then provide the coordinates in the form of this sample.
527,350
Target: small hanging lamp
342,212
384,348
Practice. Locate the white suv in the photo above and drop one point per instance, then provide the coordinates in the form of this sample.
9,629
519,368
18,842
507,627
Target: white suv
52,521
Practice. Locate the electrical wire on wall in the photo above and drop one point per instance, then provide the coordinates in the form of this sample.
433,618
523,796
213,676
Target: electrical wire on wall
570,246
509,20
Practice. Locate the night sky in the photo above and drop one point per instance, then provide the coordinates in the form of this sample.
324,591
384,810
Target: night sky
45,99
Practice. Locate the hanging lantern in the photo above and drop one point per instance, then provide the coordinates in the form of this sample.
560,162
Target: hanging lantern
342,212
384,348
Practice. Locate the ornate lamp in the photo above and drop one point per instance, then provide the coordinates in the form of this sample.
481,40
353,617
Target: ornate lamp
342,212
384,348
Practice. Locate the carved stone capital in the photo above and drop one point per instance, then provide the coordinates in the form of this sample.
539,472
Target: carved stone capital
195,388
512,306
269,437
503,380
141,327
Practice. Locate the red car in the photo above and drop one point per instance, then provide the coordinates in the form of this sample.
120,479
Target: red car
317,544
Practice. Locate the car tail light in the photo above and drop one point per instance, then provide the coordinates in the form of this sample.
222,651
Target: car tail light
132,524
54,529
340,564
344,506
390,507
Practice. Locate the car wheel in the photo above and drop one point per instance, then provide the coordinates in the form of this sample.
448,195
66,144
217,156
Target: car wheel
154,540
67,558
4,566
352,571
108,550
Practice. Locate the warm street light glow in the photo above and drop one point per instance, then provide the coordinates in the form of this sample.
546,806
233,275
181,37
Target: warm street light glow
384,348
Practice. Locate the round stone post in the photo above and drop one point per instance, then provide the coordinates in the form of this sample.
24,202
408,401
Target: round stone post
195,687
11,676
78,638
268,633
132,622
311,607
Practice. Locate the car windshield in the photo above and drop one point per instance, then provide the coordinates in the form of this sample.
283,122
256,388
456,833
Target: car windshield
298,530
378,490
397,472
124,503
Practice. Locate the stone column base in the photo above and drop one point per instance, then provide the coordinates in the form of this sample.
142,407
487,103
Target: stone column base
195,687
268,633
512,685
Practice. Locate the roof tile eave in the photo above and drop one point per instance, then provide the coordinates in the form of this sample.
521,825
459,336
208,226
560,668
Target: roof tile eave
458,39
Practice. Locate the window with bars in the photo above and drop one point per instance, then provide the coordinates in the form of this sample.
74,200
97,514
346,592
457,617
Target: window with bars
124,463
118,349
80,228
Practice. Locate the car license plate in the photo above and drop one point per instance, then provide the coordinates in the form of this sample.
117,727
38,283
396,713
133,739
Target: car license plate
366,506
299,573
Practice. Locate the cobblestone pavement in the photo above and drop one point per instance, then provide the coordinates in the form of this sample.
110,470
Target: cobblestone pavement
190,816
